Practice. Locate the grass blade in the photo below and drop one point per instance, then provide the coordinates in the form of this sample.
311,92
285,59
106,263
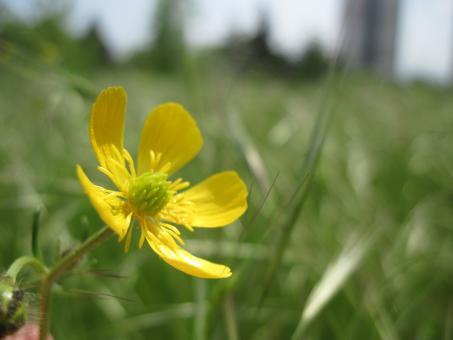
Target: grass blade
336,274
35,234
302,190
200,320
230,318
249,151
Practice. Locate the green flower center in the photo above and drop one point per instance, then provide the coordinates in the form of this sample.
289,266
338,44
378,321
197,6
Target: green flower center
149,192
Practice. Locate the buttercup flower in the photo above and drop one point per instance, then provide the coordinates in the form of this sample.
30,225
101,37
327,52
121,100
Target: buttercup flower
169,140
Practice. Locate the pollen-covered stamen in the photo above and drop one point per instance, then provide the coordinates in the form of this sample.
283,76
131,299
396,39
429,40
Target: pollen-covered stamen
110,175
116,169
179,210
172,231
117,203
154,159
179,184
155,162
149,193
130,162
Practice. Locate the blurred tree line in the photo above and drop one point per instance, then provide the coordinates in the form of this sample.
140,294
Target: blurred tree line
47,40
256,52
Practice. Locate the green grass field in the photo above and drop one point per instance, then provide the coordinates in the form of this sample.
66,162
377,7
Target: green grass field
356,246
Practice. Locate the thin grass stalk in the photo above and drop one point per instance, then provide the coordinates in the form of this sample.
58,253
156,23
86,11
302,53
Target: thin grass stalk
201,313
301,193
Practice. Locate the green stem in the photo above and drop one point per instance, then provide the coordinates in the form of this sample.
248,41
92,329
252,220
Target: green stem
64,264
23,261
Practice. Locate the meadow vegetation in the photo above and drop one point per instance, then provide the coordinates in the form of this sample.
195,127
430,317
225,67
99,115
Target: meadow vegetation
346,239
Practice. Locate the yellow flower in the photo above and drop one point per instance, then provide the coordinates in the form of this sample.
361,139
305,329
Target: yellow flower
169,140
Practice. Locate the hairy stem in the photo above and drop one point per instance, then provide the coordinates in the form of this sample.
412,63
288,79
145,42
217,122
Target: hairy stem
23,261
63,265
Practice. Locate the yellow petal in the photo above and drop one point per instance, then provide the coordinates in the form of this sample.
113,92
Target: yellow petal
107,129
170,139
217,201
107,204
181,259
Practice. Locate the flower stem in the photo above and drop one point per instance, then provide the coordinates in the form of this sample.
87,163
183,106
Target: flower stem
64,264
23,261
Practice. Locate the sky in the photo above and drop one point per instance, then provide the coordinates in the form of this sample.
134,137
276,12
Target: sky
209,22
426,39
425,35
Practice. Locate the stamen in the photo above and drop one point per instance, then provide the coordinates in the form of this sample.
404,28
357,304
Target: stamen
172,232
120,167
166,238
188,227
108,174
130,162
171,228
154,162
153,238
128,220
154,159
142,239
114,176
116,154
179,211
161,233
166,167
179,184
116,194
127,244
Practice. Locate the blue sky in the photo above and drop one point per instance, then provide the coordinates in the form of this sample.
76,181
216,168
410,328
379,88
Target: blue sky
425,34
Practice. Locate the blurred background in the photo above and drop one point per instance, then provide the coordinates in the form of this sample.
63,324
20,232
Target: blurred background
338,114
